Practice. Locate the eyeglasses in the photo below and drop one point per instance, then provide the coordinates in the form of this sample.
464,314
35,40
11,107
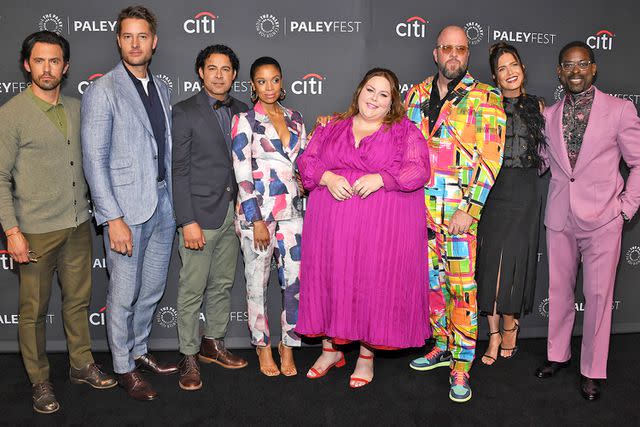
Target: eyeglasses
568,66
448,48
33,257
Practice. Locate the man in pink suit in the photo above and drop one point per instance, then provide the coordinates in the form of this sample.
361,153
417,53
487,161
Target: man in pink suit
588,132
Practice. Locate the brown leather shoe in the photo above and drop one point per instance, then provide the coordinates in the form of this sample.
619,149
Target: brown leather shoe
92,375
44,401
212,350
136,386
189,373
148,363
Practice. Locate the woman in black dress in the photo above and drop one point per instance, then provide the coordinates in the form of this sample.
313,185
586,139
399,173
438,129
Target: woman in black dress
510,224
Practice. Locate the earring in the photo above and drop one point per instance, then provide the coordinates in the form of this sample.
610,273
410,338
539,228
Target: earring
283,94
253,95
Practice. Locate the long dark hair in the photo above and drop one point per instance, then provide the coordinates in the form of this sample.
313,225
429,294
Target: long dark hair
529,106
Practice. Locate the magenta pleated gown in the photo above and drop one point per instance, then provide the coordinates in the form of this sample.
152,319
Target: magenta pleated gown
364,268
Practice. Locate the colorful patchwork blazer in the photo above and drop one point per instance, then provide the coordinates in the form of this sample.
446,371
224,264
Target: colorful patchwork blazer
467,140
265,167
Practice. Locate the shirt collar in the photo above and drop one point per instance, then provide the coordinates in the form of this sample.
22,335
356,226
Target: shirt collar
136,80
585,96
453,83
212,100
41,103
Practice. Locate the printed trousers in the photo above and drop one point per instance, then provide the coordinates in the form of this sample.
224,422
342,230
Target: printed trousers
285,242
452,298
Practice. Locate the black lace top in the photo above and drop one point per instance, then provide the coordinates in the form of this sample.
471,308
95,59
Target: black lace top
524,132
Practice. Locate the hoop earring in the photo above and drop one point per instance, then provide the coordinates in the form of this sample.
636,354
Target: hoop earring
283,94
253,96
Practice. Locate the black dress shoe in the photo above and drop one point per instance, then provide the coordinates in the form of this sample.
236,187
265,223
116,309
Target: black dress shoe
548,369
148,363
590,388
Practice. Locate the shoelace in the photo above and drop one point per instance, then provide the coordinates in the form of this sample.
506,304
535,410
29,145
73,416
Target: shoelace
44,388
191,366
459,377
432,353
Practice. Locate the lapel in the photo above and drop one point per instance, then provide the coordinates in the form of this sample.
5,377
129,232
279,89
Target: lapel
270,132
129,93
461,90
556,141
590,142
211,120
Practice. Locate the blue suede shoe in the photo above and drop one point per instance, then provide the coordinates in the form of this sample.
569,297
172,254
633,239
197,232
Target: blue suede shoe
436,358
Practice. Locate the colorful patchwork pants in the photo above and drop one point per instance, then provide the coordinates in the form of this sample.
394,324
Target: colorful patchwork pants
285,246
452,259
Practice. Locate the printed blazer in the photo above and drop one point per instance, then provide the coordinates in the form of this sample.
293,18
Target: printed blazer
264,167
467,142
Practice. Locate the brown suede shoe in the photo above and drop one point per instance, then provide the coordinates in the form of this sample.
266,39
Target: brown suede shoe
148,363
44,401
136,386
92,375
189,373
212,350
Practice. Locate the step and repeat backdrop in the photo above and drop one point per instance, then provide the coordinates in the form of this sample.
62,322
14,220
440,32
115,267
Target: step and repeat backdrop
324,49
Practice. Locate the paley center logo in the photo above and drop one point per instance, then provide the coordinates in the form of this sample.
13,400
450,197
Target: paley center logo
51,22
166,80
412,27
474,32
336,26
202,22
267,25
167,317
603,40
310,84
543,307
558,94
531,37
633,255
13,87
5,260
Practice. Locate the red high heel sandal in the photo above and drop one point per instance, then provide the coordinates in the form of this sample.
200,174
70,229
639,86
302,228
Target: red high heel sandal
353,379
339,364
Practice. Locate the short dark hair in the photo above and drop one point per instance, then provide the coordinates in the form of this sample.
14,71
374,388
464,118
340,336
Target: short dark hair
263,60
577,43
217,48
44,37
137,12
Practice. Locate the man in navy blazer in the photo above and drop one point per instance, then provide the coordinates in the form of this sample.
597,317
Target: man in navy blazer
126,141
204,200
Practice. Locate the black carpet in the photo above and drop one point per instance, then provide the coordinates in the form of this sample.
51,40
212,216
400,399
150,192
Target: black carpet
505,394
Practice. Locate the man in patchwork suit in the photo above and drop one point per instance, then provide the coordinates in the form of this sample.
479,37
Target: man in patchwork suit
463,122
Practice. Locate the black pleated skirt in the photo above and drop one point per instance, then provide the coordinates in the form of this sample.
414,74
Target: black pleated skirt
508,243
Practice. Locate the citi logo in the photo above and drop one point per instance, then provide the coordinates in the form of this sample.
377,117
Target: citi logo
83,85
6,260
98,318
412,27
603,40
203,22
311,84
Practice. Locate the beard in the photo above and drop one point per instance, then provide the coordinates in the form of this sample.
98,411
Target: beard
452,74
50,84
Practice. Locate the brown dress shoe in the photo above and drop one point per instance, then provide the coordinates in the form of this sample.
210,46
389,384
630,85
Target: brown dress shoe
148,363
136,386
44,401
92,375
189,373
212,350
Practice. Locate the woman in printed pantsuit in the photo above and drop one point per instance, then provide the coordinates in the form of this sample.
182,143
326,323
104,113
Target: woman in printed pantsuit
266,142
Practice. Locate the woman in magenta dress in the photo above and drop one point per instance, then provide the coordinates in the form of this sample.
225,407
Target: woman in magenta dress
364,251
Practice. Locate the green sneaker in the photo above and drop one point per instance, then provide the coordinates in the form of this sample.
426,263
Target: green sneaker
460,389
436,358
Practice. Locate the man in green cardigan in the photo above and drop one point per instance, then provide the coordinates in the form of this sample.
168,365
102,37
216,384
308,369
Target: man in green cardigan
44,212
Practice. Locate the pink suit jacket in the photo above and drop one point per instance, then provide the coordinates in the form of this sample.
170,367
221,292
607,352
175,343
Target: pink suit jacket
594,191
